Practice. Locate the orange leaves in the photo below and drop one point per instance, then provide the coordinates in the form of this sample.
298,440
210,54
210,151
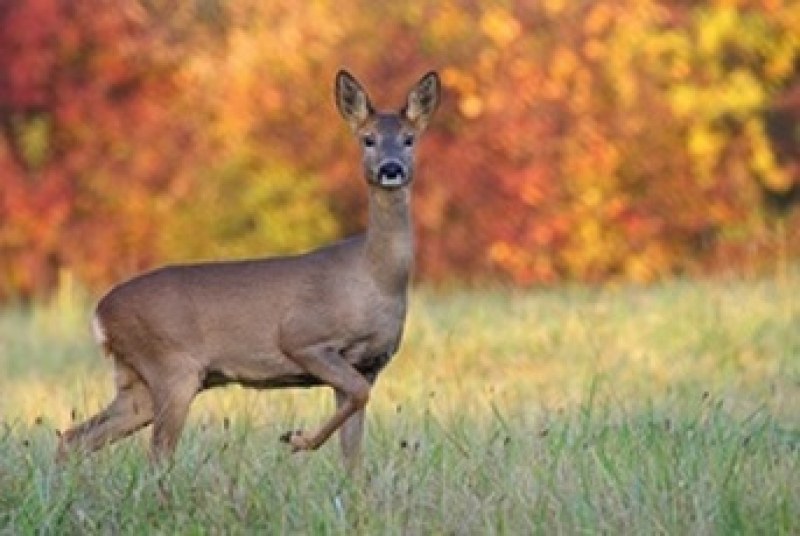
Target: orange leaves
577,140
84,144
500,26
528,267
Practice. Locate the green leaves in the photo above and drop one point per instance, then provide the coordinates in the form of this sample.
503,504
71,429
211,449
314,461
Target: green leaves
246,207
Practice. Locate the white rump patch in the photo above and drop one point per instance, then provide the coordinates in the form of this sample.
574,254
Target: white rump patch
98,331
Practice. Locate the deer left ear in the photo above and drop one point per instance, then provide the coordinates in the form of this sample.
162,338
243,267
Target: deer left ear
423,99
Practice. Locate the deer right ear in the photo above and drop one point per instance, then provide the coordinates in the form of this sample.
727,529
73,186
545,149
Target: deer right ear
351,100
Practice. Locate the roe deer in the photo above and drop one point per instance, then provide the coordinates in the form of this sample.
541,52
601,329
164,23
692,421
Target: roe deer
333,316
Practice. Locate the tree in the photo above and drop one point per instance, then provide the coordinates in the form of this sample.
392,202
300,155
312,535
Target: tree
90,141
583,141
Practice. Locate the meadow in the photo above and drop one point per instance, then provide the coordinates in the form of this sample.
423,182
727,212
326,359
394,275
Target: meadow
671,409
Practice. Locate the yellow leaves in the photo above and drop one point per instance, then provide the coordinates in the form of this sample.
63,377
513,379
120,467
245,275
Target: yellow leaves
568,77
591,196
762,159
670,51
621,104
502,29
780,65
563,63
34,136
502,252
592,248
449,23
589,231
684,100
594,49
500,26
780,60
526,266
247,207
598,19
458,79
738,93
648,265
714,29
471,106
704,143
554,7
773,5
744,92
470,102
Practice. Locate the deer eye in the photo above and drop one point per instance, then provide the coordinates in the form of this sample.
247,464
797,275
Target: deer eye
368,140
408,140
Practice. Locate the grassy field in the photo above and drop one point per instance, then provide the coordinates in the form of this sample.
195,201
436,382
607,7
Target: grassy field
673,409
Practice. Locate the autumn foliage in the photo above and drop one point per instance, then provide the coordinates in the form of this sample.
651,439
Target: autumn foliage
589,141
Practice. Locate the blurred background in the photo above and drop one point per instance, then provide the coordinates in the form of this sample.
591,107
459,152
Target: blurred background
592,141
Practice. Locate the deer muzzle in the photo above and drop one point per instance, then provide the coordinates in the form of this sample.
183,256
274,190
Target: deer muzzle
392,174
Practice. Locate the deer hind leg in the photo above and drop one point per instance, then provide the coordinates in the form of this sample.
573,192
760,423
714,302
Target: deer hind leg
172,395
131,410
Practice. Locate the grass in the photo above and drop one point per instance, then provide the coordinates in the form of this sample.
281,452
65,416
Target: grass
672,409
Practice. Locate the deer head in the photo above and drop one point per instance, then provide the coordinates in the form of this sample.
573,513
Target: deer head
388,140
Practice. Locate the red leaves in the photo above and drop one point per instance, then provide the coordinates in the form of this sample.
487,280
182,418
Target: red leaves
78,104
576,141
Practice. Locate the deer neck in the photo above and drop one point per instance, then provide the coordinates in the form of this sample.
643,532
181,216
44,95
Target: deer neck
390,239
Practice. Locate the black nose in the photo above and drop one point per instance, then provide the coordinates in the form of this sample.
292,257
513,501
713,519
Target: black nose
391,170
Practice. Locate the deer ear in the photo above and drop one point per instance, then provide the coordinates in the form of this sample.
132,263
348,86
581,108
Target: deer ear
423,99
351,100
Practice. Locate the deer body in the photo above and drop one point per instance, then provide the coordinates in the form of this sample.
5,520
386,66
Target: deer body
333,316
291,302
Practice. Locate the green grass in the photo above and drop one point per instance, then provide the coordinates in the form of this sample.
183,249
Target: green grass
673,409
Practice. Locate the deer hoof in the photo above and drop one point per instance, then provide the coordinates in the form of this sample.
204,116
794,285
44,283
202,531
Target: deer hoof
297,440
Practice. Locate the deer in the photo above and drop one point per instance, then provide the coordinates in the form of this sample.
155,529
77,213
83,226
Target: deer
332,317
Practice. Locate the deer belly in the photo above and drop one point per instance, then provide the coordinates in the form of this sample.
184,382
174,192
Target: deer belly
256,371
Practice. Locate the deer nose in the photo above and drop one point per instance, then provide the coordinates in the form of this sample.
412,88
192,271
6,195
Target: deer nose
391,170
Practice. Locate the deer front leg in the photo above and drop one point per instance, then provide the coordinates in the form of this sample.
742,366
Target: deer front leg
352,389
